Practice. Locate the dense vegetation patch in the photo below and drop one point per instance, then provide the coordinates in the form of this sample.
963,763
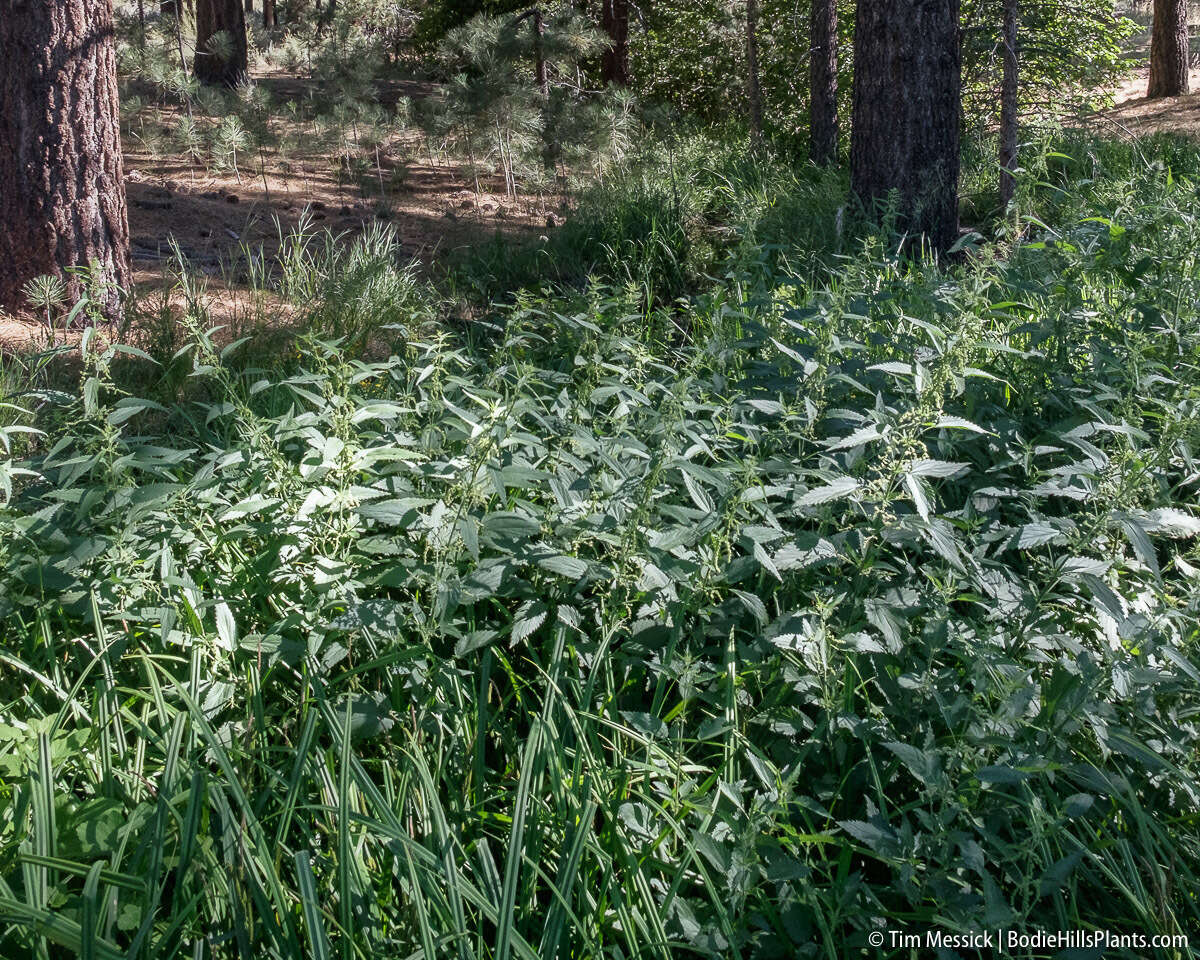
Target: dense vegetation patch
850,592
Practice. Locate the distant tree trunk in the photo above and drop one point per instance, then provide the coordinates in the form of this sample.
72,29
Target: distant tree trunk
177,14
823,83
62,194
269,14
907,99
1169,49
541,78
614,19
214,17
753,87
249,7
539,53
1008,103
169,8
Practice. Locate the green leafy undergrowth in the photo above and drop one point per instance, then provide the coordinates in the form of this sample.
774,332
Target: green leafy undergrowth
669,219
815,612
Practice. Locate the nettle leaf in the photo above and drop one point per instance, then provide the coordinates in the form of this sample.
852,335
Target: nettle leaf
754,605
485,580
698,494
217,695
1181,661
1173,523
645,723
226,627
569,616
370,714
940,469
882,616
925,765
1139,539
386,617
834,490
941,536
893,367
858,438
252,504
1033,535
506,525
128,407
570,567
807,549
769,407
530,615
397,512
917,492
475,640
862,642
958,423
877,836
764,558
1001,775
1104,597
1074,566
377,410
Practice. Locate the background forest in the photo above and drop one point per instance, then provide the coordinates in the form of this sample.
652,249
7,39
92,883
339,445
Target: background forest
600,479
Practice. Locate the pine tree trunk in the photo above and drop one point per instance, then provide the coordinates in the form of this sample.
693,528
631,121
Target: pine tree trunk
220,16
62,194
539,54
1008,103
823,83
269,14
753,87
614,19
1169,49
907,93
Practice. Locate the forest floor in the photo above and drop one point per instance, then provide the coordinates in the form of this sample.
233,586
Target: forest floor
1132,114
213,216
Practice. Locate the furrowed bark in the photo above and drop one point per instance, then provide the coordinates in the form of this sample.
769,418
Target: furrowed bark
1169,50
823,83
905,131
62,192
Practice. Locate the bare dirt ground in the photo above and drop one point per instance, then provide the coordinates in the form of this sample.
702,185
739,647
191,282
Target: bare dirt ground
211,217
211,214
1134,115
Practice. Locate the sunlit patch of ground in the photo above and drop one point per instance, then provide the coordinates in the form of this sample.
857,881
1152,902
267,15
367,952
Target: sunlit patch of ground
179,206
1134,115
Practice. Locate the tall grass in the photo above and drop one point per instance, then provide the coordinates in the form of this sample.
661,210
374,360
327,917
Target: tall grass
665,222
824,602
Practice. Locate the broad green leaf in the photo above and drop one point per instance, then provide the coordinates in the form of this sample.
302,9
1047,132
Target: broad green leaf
835,490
